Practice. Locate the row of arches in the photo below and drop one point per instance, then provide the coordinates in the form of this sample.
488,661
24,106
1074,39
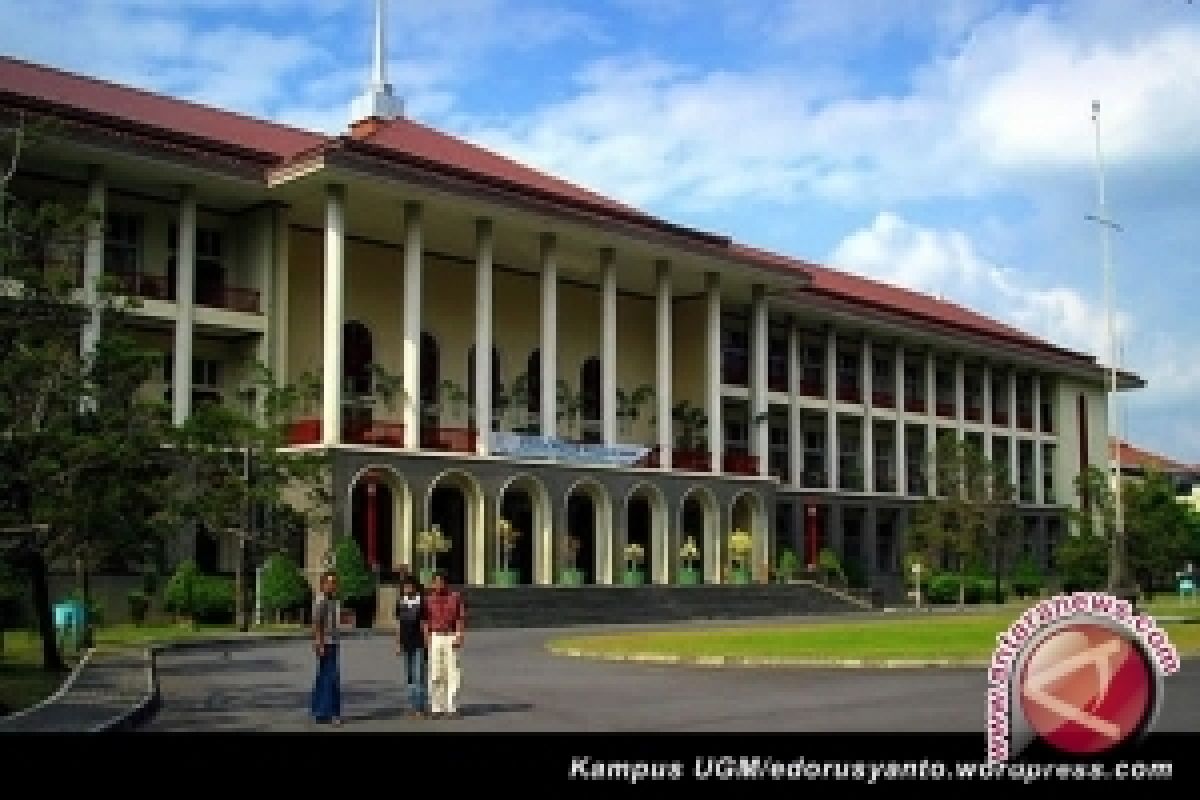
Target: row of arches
578,536
359,354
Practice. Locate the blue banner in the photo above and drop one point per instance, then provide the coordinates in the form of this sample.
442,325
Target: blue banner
519,445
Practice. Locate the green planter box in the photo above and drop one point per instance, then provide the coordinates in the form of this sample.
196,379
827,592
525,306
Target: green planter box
506,577
571,577
634,577
739,576
689,575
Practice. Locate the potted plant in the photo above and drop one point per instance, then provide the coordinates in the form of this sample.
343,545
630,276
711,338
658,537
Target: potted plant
429,544
789,564
740,546
629,405
506,536
307,393
693,424
570,404
689,553
572,575
635,554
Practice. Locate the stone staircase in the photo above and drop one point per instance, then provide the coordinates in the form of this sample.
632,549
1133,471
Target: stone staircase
554,606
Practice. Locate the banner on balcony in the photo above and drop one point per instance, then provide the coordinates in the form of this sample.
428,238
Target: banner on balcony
518,445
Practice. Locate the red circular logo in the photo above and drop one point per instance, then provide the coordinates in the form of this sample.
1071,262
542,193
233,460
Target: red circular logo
1086,688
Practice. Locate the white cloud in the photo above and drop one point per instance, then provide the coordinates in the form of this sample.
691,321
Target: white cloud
1007,103
947,263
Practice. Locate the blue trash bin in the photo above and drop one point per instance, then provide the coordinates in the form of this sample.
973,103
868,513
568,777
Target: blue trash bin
69,619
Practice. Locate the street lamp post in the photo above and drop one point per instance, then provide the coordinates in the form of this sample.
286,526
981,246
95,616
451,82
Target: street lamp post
1116,556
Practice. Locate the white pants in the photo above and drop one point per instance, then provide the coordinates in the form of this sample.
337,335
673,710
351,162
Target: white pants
444,674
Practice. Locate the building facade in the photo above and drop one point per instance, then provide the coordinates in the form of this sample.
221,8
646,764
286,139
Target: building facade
643,382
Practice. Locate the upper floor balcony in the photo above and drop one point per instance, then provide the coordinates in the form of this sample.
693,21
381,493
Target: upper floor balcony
207,294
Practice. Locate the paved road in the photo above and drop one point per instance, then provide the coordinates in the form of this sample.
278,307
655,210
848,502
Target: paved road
512,684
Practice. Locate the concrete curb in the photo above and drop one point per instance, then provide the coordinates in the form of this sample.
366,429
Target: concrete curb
58,693
769,661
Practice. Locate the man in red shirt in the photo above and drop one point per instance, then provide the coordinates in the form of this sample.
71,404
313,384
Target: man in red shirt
444,625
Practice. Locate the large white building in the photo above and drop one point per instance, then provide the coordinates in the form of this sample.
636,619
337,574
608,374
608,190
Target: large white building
645,382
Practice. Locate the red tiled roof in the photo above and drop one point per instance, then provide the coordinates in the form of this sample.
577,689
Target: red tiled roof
167,113
414,139
856,289
1131,456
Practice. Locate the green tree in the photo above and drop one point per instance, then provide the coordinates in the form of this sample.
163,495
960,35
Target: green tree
283,585
974,518
1083,556
232,471
354,580
1158,530
77,448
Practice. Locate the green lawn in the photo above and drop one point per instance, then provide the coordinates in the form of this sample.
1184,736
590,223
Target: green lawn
118,636
23,682
956,638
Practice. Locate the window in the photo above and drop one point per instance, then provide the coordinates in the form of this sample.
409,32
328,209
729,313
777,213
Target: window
206,372
122,244
210,264
357,355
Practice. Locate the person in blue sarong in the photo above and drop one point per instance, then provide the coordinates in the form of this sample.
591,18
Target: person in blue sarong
327,688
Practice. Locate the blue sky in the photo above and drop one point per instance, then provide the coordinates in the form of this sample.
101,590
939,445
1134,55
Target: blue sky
945,145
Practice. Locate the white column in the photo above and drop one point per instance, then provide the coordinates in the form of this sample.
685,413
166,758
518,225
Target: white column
931,422
262,258
759,430
608,346
1014,451
831,427
278,321
483,335
185,310
712,370
960,397
901,462
662,360
549,346
795,412
335,284
987,411
868,420
413,293
93,259
1039,484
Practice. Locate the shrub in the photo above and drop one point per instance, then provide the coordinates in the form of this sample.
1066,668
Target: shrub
283,585
829,565
354,580
181,589
213,599
1027,579
942,588
789,562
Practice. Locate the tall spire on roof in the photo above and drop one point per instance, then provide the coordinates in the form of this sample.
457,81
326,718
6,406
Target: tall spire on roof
377,102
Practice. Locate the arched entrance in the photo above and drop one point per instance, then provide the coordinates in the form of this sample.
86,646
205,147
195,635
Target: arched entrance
524,503
456,508
746,514
378,523
645,527
589,525
697,525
